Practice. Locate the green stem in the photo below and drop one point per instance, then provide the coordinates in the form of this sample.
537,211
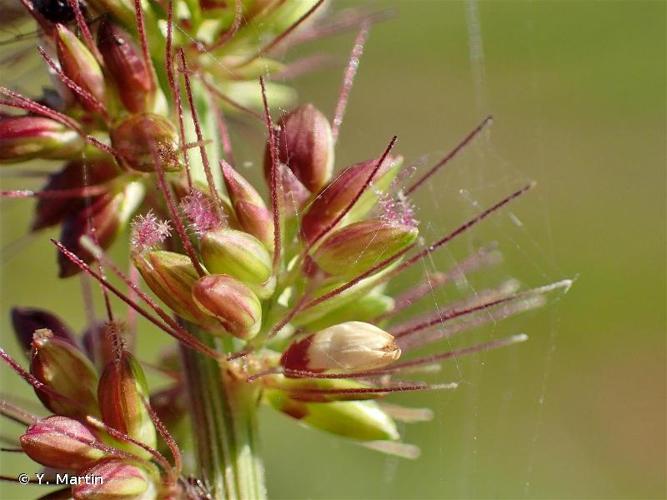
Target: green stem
224,426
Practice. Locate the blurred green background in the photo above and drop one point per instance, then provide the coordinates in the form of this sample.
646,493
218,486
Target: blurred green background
577,90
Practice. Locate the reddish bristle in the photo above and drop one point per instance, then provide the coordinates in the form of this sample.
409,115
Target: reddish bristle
270,46
175,90
466,140
83,27
200,136
274,184
82,93
236,24
459,230
348,78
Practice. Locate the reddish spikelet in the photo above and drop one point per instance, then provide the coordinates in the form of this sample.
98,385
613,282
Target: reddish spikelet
228,100
336,199
148,232
199,210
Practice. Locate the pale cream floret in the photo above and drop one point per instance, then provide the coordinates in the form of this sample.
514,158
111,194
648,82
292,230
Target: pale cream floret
353,345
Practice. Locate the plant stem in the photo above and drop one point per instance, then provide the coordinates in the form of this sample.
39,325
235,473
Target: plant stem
224,425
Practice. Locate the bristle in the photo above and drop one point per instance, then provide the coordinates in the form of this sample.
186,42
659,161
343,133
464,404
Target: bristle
216,92
339,22
141,30
479,297
393,387
407,414
223,132
121,436
467,323
459,230
89,99
16,414
200,136
486,346
83,27
16,100
348,78
402,450
483,257
466,140
236,24
131,315
176,331
168,439
274,184
337,291
79,192
494,300
174,216
32,380
284,34
175,90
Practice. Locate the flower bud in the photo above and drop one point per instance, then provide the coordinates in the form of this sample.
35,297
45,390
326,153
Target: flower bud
251,212
306,146
346,347
75,175
67,371
79,64
359,420
231,302
126,65
337,195
171,276
143,139
123,394
100,219
256,220
358,247
25,138
61,442
26,320
240,255
118,480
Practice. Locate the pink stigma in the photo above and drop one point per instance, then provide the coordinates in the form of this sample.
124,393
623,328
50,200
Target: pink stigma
397,209
200,212
148,232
